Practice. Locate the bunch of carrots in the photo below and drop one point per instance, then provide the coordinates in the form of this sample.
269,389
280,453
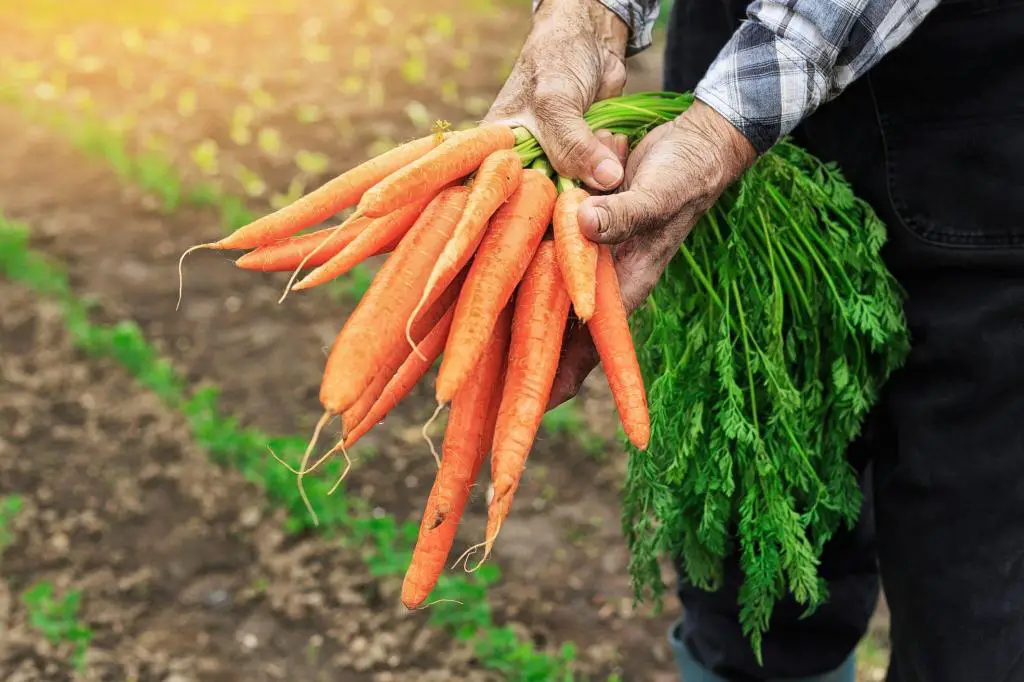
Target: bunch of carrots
485,260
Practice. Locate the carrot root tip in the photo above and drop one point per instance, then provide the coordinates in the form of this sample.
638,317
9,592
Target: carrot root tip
426,435
181,262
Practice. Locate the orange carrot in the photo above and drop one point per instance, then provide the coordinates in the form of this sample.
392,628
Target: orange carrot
504,254
576,255
399,353
286,254
334,196
498,177
609,328
374,327
467,439
455,158
403,380
538,324
376,235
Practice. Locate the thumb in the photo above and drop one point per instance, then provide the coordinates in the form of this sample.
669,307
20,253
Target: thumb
613,218
572,148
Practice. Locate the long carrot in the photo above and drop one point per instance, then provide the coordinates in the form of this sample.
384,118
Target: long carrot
538,324
609,327
404,379
504,253
455,158
576,255
286,254
467,439
334,196
377,234
498,177
375,326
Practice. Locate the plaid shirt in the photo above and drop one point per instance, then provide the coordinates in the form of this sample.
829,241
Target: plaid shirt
789,56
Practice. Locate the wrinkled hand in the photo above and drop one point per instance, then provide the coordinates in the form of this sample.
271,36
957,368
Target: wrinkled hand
574,56
672,177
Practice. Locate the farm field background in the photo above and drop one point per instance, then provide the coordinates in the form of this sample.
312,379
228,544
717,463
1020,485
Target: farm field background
146,533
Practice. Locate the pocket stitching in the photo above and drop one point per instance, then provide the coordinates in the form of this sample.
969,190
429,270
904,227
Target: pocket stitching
923,231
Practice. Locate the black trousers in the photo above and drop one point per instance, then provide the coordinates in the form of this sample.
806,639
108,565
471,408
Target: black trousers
933,138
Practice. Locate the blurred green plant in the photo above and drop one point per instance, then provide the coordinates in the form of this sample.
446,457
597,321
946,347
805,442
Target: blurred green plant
311,163
565,421
10,506
206,156
57,618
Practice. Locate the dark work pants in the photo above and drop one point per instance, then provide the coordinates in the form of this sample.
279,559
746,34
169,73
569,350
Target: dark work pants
933,138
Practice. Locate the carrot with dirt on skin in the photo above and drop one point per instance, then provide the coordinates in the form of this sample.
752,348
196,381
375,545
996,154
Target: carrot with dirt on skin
507,247
401,383
376,235
458,156
609,328
498,177
538,325
375,326
467,440
576,255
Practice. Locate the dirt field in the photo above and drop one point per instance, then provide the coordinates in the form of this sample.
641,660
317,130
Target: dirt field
187,570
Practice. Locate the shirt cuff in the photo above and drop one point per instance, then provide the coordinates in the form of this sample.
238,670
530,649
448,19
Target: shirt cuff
763,85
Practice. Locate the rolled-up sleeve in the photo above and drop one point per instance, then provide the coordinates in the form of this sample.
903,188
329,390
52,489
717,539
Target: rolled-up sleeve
788,58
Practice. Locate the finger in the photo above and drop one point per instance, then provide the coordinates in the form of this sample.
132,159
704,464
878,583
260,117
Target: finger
572,148
579,358
622,147
614,218
610,140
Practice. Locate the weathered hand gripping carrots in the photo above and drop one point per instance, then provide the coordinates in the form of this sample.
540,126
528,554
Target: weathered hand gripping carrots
507,247
538,324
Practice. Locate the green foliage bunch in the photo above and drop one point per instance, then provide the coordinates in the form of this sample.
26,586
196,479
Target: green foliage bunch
763,348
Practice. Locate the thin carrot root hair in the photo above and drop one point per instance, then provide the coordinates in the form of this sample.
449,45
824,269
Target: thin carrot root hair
181,262
312,467
335,231
340,445
324,418
426,436
440,600
408,329
471,550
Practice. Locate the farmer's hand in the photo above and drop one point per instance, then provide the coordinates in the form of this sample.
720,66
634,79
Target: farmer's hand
574,56
673,176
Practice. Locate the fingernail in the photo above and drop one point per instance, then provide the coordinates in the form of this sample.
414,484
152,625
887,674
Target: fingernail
588,219
608,173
